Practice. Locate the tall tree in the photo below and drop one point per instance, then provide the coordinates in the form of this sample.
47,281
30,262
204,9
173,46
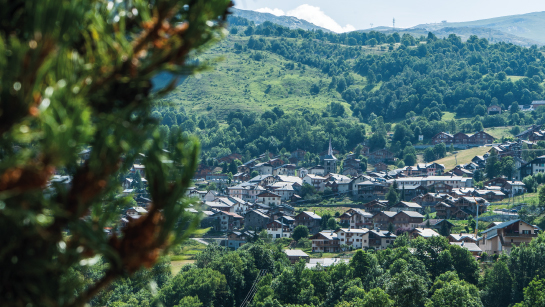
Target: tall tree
77,74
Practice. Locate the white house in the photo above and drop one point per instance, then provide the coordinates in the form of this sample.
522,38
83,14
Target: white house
269,199
357,238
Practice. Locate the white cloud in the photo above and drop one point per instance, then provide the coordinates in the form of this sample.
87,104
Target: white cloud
312,14
277,12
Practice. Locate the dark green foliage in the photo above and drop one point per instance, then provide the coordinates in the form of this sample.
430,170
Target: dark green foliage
497,284
299,232
208,285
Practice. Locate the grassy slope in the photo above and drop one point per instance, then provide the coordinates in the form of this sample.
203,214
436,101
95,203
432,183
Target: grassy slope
463,157
240,83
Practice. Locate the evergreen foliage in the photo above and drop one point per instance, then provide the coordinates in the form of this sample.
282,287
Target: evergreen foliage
77,75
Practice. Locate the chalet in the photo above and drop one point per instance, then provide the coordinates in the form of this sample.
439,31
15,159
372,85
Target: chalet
436,224
318,182
277,229
317,170
353,172
460,171
298,155
479,160
408,192
295,255
453,181
444,210
356,218
406,220
325,242
490,195
381,239
425,233
537,136
493,109
309,219
263,180
503,237
526,133
276,162
241,177
442,137
383,219
460,138
381,155
286,191
136,211
264,168
469,204
355,238
351,161
380,167
508,187
375,206
227,221
256,220
481,138
269,198
218,206
230,158
217,177
440,187
406,206
371,189
236,239
431,199
533,167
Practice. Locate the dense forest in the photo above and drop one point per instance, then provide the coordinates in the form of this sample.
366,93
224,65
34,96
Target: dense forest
420,272
409,82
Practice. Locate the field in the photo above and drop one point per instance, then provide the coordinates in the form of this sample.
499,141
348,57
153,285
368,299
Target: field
463,157
239,83
499,132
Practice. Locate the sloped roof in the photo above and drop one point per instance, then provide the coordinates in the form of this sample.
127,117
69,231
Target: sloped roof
295,253
427,232
472,247
411,213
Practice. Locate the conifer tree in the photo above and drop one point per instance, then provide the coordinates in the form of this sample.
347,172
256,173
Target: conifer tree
77,74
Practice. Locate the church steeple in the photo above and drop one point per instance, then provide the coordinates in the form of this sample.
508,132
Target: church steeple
330,151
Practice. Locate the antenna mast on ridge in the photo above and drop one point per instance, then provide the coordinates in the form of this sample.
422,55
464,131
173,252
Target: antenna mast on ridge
394,23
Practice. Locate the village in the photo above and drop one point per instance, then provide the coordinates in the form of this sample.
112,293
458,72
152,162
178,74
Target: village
427,199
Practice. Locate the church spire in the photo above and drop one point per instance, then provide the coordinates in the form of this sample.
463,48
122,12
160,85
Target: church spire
330,151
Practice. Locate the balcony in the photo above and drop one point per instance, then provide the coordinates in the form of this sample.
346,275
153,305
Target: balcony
332,244
522,235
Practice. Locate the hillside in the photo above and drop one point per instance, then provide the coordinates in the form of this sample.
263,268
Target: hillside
462,157
240,83
528,26
493,35
285,21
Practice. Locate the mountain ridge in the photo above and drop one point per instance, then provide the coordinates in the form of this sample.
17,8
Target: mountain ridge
285,21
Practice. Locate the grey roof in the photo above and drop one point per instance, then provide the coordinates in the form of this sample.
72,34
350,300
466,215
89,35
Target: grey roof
412,213
295,253
503,225
472,247
313,215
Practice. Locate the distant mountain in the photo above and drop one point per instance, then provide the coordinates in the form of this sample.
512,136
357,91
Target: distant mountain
285,21
465,32
529,26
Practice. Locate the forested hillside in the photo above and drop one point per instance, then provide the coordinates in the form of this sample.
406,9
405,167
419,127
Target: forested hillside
422,272
279,88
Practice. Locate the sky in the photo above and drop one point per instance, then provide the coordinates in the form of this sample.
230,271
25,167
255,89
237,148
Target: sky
349,15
